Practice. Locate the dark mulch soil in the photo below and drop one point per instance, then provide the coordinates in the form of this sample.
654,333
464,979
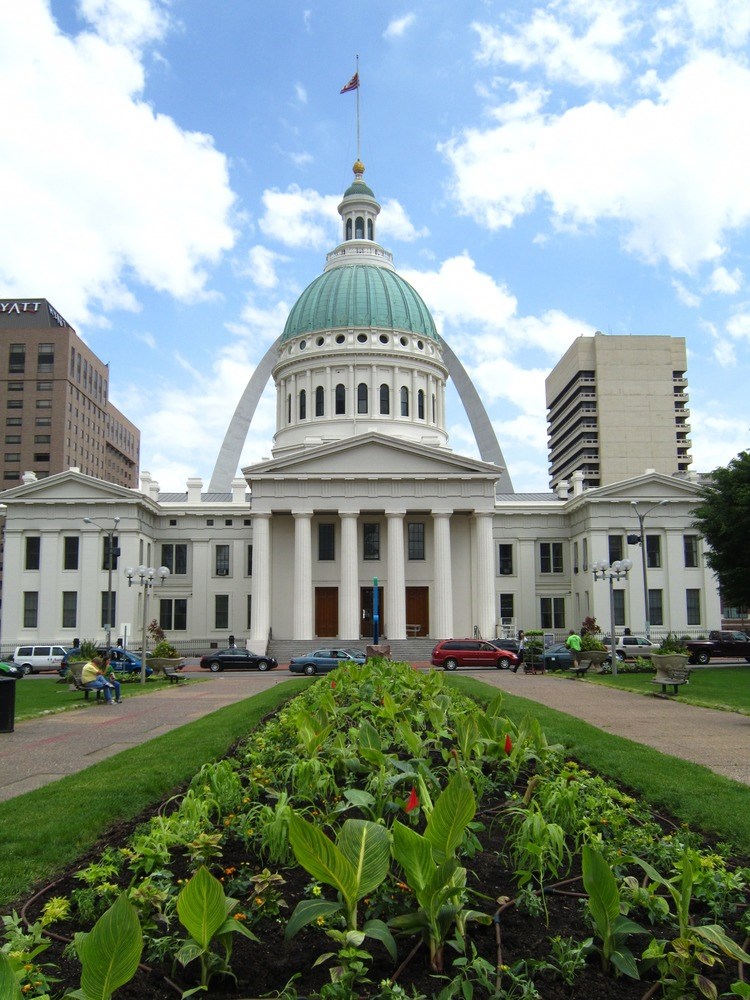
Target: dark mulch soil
264,968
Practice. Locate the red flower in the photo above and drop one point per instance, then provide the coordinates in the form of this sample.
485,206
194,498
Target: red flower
333,684
412,802
508,743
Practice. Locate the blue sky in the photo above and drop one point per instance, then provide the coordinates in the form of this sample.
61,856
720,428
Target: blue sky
170,171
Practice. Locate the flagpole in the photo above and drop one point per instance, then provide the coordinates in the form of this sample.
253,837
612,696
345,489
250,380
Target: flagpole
357,106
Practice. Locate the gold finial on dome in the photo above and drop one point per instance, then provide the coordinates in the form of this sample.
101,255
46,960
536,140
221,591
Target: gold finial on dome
359,169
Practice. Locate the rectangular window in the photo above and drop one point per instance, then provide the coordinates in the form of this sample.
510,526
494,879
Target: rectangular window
222,560
249,560
221,611
41,456
619,600
12,456
70,552
70,609
109,611
42,438
693,606
249,611
371,536
44,422
33,551
106,553
690,543
15,386
415,531
653,553
44,404
615,548
13,421
17,359
507,613
44,387
575,557
655,607
12,438
585,555
326,542
174,557
551,557
45,358
505,559
15,404
173,614
552,612
30,608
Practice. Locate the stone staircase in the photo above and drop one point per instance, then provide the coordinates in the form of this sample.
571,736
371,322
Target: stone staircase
408,650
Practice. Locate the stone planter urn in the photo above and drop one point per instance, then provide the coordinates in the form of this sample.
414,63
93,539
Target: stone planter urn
666,661
159,663
593,656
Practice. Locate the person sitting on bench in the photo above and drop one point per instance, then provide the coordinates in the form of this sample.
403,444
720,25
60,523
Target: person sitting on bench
93,679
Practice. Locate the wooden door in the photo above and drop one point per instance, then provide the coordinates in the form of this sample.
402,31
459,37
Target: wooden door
417,611
366,613
327,612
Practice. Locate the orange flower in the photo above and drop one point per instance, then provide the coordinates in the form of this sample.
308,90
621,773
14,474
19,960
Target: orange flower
412,802
508,743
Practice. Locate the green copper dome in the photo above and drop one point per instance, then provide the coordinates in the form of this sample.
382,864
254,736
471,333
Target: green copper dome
358,188
359,296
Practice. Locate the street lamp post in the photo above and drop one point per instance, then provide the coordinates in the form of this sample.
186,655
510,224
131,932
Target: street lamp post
617,571
145,576
641,518
110,556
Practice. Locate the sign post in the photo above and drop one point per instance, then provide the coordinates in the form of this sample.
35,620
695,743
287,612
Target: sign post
375,614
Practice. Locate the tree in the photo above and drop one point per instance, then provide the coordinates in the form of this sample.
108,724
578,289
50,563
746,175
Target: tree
723,518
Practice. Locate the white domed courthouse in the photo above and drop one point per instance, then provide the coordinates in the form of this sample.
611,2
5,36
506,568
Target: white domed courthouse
363,507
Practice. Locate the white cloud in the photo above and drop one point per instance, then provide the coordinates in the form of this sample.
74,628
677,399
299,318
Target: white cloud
396,224
686,297
725,282
570,41
147,338
399,25
299,218
671,171
163,192
262,266
738,326
704,21
300,93
128,22
721,438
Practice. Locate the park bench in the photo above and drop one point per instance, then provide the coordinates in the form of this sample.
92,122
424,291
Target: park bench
412,631
580,670
671,677
172,675
77,683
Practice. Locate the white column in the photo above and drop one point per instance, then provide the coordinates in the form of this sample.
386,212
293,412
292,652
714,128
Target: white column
395,591
349,627
261,623
442,612
303,614
484,612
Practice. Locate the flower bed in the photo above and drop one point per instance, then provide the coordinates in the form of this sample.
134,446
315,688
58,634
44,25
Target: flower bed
385,836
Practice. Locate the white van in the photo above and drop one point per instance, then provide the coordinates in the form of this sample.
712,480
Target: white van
33,659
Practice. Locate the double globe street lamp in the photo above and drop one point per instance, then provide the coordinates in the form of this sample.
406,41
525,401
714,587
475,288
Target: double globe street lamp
146,577
617,571
112,554
642,515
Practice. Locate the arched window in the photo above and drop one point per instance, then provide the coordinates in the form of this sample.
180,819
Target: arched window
359,228
340,398
434,409
348,229
289,408
319,402
361,398
420,404
303,404
370,232
385,398
404,401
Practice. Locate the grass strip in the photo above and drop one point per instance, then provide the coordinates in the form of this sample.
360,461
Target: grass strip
50,695
725,688
693,794
44,832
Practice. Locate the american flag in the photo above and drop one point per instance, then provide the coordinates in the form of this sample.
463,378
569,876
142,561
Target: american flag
352,85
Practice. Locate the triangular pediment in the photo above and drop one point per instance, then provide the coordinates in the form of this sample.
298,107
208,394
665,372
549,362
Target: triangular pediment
372,455
651,486
67,487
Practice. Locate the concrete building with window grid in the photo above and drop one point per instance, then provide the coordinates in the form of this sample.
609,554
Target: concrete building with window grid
617,405
362,508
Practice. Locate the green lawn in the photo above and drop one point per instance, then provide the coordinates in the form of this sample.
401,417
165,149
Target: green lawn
727,688
41,695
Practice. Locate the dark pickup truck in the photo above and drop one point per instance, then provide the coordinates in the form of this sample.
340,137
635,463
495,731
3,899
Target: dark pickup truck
732,644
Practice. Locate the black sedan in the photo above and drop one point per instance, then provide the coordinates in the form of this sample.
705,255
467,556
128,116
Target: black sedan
236,659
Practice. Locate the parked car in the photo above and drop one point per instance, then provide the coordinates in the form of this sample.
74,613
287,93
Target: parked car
320,661
728,644
452,653
628,647
33,659
11,670
558,657
236,659
122,660
509,645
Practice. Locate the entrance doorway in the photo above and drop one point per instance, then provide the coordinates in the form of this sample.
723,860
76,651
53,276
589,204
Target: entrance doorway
417,611
327,611
366,612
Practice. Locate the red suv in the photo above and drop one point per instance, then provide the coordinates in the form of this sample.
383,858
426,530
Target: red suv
452,653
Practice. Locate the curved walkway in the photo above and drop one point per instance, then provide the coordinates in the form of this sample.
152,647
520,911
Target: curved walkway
45,749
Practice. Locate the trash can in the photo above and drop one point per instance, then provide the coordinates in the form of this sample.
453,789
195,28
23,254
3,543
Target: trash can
7,704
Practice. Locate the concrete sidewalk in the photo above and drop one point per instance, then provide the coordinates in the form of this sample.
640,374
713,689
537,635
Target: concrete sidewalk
43,750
